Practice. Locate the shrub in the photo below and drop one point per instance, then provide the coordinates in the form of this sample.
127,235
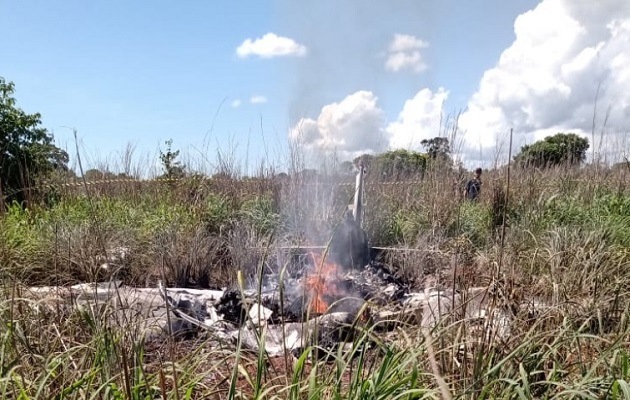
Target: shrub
260,215
474,223
407,225
217,213
24,242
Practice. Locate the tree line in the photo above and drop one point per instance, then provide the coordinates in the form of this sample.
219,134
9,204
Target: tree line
28,154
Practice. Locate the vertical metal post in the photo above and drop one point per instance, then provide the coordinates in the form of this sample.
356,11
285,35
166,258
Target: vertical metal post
357,210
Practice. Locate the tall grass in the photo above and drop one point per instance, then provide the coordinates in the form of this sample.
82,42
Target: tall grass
566,246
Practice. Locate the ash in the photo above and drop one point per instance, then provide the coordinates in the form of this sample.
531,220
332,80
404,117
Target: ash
289,300
376,282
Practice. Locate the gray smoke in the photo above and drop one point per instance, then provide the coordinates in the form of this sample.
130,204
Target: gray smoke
347,44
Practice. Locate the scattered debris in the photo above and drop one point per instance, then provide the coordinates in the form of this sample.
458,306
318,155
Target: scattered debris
321,304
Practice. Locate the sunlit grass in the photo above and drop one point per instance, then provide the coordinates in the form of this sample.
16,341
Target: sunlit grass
565,246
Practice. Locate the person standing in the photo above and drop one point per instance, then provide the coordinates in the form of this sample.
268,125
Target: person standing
473,186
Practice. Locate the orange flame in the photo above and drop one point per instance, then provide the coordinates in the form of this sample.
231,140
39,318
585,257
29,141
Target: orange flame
322,284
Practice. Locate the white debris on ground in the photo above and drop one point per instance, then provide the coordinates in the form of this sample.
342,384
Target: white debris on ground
259,315
194,311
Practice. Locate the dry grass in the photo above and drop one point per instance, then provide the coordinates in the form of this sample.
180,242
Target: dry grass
565,244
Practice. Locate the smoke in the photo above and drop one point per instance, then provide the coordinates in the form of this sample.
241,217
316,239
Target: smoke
349,44
358,51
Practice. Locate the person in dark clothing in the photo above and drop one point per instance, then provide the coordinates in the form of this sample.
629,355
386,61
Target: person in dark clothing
473,186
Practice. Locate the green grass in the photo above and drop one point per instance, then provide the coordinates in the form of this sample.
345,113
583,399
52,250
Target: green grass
551,357
566,243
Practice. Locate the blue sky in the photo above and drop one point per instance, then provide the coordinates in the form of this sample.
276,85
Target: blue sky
143,72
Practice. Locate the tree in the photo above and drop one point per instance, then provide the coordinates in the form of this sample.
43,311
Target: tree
27,152
173,169
395,164
437,148
95,174
561,148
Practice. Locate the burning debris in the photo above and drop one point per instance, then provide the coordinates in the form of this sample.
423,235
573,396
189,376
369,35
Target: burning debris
277,332
267,320
325,305
320,304
323,285
313,292
341,281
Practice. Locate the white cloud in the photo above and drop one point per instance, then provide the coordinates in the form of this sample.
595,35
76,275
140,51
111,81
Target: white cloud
271,45
258,99
357,125
547,80
352,127
236,103
420,118
404,53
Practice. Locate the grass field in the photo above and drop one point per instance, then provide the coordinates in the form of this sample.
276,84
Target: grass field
566,241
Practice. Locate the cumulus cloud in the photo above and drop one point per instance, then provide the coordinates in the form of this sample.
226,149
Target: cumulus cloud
236,103
258,99
357,125
271,45
404,53
420,118
566,54
351,127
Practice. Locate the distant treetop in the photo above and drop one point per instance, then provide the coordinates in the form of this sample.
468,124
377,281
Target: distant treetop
561,148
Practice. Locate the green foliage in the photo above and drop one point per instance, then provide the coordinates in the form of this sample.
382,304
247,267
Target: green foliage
406,226
612,212
261,215
562,148
475,222
401,163
24,240
27,152
164,217
173,169
28,235
218,213
99,175
607,212
395,164
438,149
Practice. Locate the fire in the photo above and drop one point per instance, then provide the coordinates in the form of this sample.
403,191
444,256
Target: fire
322,284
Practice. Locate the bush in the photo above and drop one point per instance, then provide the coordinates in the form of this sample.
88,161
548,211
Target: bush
260,215
217,213
25,242
407,225
474,223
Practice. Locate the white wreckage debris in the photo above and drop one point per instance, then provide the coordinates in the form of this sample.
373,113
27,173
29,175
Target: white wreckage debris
193,315
260,326
254,320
